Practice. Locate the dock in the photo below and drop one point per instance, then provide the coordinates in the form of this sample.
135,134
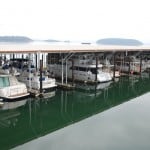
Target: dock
34,93
65,86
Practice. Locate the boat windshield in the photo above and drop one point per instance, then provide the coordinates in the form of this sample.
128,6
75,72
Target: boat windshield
93,70
4,82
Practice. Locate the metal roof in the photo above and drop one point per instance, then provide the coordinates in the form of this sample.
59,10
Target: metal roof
47,48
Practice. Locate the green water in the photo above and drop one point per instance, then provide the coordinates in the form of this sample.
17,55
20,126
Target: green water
31,119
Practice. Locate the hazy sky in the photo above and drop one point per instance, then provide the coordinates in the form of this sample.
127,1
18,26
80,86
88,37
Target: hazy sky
76,19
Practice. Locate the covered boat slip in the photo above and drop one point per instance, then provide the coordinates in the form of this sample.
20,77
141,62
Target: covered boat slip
67,51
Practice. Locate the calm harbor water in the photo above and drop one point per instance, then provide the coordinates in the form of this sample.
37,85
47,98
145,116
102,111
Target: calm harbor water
108,116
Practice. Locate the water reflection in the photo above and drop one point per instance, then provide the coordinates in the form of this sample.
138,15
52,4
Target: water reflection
12,105
38,117
98,86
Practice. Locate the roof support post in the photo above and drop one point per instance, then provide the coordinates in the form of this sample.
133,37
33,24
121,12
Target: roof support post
114,66
41,83
129,69
29,67
96,67
72,72
66,71
62,71
36,66
141,62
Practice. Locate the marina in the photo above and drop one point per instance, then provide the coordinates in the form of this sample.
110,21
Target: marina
64,88
39,66
74,75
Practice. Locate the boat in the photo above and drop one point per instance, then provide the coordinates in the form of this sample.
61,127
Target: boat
32,80
130,64
84,70
31,77
1,104
108,67
8,69
11,88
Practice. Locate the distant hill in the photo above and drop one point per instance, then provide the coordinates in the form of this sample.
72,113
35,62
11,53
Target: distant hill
20,39
119,41
51,40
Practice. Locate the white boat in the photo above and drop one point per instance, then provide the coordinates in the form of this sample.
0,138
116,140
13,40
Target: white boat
31,78
131,64
11,88
108,67
6,69
84,69
1,103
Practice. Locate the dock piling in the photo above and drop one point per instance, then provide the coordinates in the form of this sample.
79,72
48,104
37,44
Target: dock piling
114,66
140,63
41,70
96,67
